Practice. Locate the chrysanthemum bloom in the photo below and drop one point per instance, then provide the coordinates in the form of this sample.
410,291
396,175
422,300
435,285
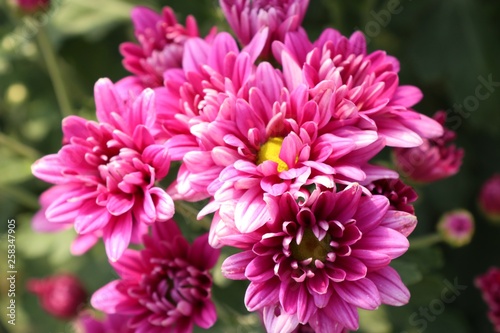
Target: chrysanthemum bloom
63,295
32,5
363,85
164,287
434,159
456,227
247,17
400,195
161,44
319,260
489,283
86,323
489,198
106,171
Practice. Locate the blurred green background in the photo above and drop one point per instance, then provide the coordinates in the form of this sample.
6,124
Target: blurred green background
445,48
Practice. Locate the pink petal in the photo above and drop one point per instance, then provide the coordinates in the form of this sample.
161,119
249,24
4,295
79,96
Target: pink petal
402,222
202,254
130,265
251,212
206,316
234,266
117,236
362,293
259,295
391,288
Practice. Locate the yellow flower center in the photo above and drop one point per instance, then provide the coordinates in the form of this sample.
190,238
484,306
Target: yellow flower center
270,151
311,247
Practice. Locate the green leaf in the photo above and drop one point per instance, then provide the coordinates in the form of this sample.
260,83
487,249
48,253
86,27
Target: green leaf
409,272
92,18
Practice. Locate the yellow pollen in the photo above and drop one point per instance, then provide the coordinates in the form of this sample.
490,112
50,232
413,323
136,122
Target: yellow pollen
270,151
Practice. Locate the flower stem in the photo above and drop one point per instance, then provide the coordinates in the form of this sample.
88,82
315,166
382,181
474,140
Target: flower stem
425,241
55,74
18,147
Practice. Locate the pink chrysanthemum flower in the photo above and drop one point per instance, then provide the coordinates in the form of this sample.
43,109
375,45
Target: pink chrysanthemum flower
434,159
456,227
363,85
489,284
247,17
106,171
86,323
161,44
164,287
319,260
489,198
62,296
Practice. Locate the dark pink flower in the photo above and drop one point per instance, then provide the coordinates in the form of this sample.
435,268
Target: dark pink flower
434,159
320,258
362,85
489,284
489,198
456,227
106,171
164,287
400,195
114,323
247,17
62,295
161,44
32,5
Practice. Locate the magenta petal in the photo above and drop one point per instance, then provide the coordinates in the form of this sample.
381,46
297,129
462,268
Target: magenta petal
202,254
362,293
119,203
391,288
206,316
402,222
49,169
130,265
259,295
371,258
234,266
343,312
107,101
109,299
384,240
164,205
91,218
289,294
260,269
322,322
372,210
117,236
83,243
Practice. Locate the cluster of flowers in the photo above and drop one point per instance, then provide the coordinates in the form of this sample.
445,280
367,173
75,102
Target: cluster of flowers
278,136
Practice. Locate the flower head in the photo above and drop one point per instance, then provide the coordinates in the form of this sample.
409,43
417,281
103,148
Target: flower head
30,6
400,195
489,284
106,171
62,295
320,258
165,286
434,159
362,85
457,227
489,198
247,17
161,44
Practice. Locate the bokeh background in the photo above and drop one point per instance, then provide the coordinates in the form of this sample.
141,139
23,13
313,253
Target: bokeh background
445,48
